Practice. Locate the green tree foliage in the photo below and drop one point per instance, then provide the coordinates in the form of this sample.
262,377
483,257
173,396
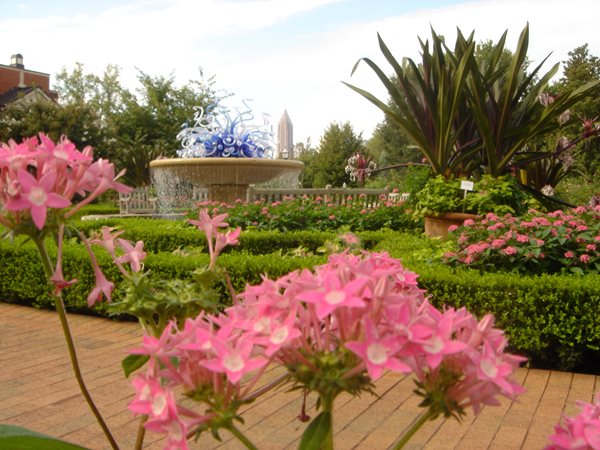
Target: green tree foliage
79,122
338,143
308,155
580,69
130,129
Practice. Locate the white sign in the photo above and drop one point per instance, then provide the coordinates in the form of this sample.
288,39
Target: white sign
467,185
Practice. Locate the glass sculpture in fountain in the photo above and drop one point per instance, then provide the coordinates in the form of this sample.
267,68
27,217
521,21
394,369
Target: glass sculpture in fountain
221,156
216,134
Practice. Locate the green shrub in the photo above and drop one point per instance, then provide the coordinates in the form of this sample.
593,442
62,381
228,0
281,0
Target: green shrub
551,318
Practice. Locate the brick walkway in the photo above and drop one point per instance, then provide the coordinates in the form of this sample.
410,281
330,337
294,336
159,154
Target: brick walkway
38,391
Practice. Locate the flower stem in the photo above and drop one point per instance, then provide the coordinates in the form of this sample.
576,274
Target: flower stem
327,404
60,309
401,442
242,437
139,440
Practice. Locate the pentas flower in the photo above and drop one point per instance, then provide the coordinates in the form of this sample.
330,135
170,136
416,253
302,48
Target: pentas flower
355,316
38,175
165,416
133,255
579,432
58,279
234,358
378,353
473,376
37,196
103,285
334,294
216,240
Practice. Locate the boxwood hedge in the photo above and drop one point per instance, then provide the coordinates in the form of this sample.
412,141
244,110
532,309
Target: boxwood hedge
551,318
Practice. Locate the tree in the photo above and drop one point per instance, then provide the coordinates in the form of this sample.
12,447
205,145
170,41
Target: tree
580,69
337,144
79,122
306,153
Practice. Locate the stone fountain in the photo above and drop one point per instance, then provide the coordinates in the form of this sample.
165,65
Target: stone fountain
221,156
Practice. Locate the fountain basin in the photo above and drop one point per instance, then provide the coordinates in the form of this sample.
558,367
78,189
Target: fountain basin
226,179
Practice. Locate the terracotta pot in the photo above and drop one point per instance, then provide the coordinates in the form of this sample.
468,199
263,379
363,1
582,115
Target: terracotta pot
437,226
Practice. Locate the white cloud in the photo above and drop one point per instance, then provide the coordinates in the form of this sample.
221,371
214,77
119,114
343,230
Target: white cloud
301,73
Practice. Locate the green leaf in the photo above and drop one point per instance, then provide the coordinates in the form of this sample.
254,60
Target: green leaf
17,438
317,432
132,363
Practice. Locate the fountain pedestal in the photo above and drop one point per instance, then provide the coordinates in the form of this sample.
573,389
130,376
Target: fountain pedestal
226,179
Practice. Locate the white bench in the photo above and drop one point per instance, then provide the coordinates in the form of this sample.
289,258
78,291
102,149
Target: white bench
139,201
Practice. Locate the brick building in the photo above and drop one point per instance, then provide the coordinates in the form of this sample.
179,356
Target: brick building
18,84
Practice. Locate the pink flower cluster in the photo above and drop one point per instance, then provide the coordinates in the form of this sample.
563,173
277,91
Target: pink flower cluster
37,175
367,310
536,243
579,432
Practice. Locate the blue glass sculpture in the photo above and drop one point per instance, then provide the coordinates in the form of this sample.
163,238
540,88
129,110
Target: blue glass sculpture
216,134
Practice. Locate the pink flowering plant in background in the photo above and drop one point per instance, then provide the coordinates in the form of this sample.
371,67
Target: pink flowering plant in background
538,242
355,212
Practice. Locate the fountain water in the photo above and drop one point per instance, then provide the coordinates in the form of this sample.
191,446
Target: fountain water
221,156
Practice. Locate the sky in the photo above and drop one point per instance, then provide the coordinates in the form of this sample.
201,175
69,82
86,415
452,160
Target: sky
282,54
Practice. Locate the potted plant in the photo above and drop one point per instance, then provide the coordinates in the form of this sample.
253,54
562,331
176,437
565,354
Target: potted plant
443,203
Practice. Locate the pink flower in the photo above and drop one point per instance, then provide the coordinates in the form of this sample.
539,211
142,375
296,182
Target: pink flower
333,294
509,251
523,238
468,222
37,196
498,243
584,258
350,239
164,416
58,278
331,217
569,255
133,255
229,238
452,228
103,286
590,247
495,226
208,224
579,432
234,359
378,353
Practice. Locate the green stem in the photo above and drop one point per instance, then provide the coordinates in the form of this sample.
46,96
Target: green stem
427,415
60,309
139,440
327,403
242,437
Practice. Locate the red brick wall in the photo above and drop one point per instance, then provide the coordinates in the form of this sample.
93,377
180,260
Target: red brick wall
9,78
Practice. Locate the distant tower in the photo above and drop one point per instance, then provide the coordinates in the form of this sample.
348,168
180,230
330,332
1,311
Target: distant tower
285,135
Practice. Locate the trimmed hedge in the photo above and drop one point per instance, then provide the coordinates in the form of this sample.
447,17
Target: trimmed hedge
162,235
22,279
552,318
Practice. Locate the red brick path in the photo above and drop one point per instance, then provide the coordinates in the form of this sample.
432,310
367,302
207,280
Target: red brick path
38,391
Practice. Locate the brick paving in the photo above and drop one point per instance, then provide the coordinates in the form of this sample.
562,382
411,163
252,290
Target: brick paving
38,391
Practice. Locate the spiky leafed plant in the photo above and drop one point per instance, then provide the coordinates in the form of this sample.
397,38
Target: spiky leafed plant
468,116
430,99
506,107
